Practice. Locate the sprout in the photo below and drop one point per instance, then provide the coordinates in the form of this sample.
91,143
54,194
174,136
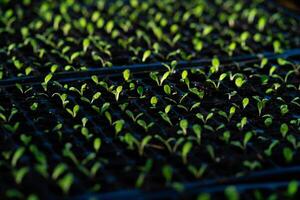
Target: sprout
247,138
197,130
239,82
165,117
231,193
85,44
198,173
66,182
73,112
215,65
140,91
284,109
131,115
20,173
167,89
146,55
187,147
292,188
245,102
184,125
59,170
153,101
46,81
269,150
126,74
143,124
17,155
97,144
261,103
119,126
284,128
288,154
167,172
242,123
117,92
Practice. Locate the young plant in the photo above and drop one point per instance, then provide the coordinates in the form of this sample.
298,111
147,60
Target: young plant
167,172
73,112
284,128
66,182
197,131
153,101
159,81
186,149
203,118
119,124
117,92
126,75
184,124
229,115
143,124
132,141
197,172
261,103
242,123
245,102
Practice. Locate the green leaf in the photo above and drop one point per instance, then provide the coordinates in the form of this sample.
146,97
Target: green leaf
288,154
185,151
231,193
245,102
222,76
247,138
85,44
197,130
20,173
164,77
167,89
97,144
284,129
48,78
153,100
239,82
119,126
146,55
184,74
66,182
126,74
292,188
17,155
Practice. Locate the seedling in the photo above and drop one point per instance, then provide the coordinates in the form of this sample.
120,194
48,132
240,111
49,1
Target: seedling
126,74
97,144
153,101
184,125
239,82
117,92
284,128
215,65
66,182
261,103
288,154
146,55
197,130
187,147
197,172
242,123
74,111
167,172
119,124
143,124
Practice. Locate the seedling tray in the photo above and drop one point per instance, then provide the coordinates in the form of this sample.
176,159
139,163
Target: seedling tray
52,128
